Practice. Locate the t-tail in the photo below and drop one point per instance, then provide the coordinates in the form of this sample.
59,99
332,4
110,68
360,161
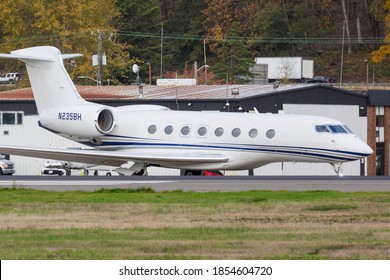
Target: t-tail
50,82
60,106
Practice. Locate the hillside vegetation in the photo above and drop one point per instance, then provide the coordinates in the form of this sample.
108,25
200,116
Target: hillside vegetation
168,36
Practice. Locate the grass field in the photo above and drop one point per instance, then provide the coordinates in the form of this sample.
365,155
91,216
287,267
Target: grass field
143,224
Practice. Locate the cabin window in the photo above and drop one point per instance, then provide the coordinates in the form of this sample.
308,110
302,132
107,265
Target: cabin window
253,133
219,132
337,129
185,130
202,131
168,129
270,133
236,132
322,128
152,129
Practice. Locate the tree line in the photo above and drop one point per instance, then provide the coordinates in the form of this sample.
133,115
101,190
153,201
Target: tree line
167,37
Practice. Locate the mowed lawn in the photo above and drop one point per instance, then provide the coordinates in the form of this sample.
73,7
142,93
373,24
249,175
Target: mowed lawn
143,224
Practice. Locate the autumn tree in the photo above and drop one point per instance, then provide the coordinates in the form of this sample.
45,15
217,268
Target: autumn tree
220,15
72,26
384,51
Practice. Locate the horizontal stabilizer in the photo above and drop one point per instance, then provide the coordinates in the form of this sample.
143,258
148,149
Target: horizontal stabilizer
24,57
69,56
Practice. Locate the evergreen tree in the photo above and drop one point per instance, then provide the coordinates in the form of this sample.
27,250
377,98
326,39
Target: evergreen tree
140,27
233,58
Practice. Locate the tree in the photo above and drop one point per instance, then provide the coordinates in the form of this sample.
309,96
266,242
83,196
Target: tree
384,51
233,58
72,26
140,27
271,24
220,15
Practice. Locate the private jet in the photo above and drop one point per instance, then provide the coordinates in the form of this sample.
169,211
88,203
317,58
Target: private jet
133,137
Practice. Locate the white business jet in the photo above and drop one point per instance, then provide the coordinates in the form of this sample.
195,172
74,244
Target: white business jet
134,137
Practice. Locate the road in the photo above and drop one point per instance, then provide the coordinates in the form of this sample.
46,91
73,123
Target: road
202,184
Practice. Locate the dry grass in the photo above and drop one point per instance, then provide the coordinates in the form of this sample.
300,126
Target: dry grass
345,228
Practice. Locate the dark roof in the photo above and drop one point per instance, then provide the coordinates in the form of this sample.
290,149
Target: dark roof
379,97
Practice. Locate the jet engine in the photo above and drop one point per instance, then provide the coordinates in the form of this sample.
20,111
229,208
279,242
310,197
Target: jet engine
87,120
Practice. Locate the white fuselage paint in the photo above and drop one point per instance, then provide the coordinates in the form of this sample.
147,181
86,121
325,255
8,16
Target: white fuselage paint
295,139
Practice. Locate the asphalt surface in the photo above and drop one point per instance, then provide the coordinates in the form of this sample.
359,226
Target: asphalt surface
201,184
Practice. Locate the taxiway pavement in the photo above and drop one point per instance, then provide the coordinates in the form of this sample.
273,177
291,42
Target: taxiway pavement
201,184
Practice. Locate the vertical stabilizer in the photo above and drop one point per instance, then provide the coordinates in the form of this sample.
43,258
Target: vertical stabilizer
50,82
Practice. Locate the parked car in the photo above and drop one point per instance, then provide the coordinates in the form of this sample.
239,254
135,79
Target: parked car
53,171
53,167
7,167
320,79
9,78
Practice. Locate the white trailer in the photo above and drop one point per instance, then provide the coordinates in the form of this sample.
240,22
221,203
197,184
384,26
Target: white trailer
287,68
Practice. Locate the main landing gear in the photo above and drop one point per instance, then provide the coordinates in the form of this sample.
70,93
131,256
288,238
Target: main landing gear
337,168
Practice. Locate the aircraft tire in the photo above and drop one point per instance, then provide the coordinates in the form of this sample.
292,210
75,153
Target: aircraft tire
192,173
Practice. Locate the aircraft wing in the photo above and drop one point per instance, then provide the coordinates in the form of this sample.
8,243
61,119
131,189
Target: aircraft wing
114,158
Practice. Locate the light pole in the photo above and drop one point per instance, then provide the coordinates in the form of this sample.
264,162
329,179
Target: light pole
366,62
197,70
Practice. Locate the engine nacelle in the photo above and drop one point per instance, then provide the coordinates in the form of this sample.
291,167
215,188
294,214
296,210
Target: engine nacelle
87,120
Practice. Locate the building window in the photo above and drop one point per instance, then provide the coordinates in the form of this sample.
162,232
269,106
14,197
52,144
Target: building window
11,118
380,121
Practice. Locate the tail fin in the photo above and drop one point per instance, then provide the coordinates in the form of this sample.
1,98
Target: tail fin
50,82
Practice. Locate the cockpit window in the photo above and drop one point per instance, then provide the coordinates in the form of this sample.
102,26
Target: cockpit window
333,128
321,128
348,129
337,129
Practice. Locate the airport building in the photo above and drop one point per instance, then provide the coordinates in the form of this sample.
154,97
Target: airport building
378,134
19,117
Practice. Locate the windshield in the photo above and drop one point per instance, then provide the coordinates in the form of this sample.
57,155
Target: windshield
333,128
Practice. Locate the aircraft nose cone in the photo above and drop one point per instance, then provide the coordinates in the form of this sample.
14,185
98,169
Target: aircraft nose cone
367,150
363,148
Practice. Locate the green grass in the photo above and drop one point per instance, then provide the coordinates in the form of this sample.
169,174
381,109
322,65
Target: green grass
148,195
143,224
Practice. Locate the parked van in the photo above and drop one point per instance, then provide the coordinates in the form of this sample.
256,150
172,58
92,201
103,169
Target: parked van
9,78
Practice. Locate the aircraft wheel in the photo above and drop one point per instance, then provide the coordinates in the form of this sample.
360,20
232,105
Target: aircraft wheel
192,173
139,173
